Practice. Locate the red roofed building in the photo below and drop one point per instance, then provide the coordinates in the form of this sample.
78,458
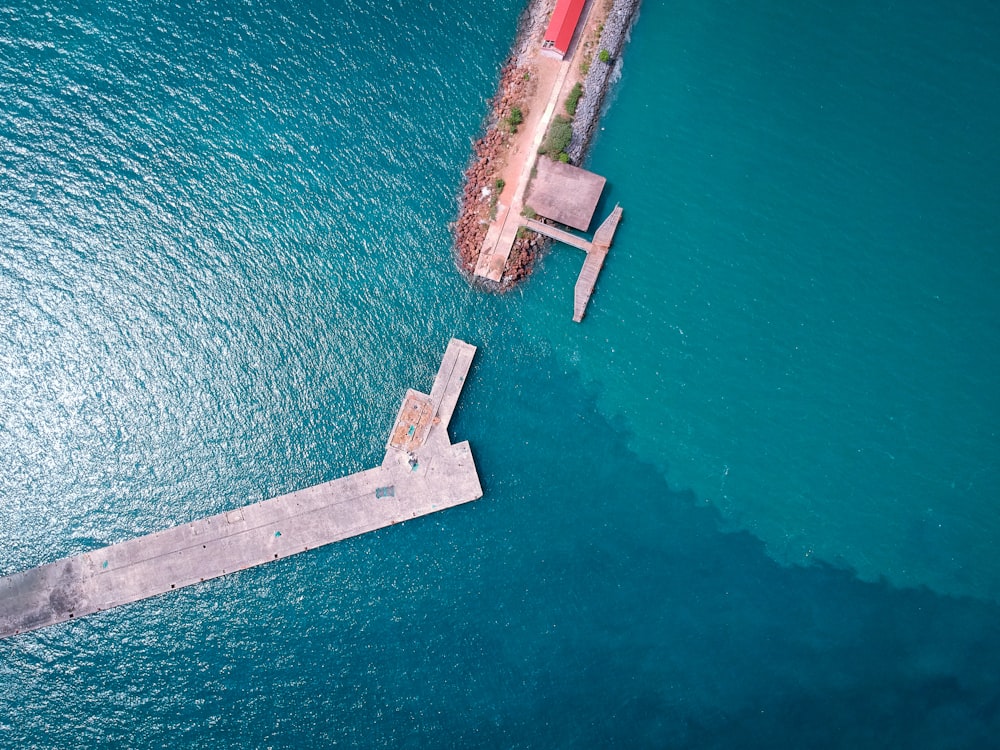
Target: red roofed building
562,26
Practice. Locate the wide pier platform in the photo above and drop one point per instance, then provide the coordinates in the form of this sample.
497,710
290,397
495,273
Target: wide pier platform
422,472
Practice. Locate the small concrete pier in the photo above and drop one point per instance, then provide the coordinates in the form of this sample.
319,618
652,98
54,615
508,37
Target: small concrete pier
422,472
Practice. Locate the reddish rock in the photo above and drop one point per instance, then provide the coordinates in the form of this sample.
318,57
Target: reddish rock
470,227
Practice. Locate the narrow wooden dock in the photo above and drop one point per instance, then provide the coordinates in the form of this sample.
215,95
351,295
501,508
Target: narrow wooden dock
422,472
586,282
605,233
597,253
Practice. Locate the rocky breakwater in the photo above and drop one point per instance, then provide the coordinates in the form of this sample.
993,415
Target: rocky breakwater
600,76
521,260
480,193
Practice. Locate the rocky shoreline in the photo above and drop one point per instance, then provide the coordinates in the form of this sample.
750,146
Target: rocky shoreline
601,76
477,201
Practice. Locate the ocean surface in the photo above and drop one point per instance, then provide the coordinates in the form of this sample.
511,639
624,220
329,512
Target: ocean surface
751,501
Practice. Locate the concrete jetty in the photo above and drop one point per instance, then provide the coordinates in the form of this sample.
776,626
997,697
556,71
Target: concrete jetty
422,472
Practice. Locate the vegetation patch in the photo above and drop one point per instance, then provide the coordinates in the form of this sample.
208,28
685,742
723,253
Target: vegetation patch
512,120
558,138
574,98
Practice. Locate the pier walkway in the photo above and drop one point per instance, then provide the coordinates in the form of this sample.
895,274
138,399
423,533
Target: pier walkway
560,235
422,472
502,232
596,255
596,249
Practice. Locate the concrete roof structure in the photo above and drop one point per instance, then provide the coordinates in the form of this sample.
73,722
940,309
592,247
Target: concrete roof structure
565,193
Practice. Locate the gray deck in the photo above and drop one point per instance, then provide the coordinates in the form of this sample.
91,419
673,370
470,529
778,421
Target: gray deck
597,253
431,475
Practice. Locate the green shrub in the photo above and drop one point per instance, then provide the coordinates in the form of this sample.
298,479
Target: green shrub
564,157
558,138
574,98
514,119
529,213
499,184
604,56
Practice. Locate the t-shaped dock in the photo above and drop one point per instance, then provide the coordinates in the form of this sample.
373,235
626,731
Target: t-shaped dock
422,472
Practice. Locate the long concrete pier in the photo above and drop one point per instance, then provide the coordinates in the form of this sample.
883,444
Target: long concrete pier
422,472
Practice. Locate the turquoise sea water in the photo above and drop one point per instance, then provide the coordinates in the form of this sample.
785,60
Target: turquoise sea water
747,503
803,325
